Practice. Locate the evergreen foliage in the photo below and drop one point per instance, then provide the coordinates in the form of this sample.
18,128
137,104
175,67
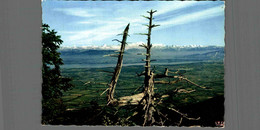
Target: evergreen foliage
53,83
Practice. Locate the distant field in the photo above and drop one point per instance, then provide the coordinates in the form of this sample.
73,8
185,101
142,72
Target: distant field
208,74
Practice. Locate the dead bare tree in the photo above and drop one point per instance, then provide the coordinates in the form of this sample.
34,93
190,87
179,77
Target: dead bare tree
148,99
111,87
149,75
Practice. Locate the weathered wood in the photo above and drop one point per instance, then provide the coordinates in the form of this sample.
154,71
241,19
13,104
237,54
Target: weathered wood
166,72
148,93
183,115
149,101
95,83
149,77
104,92
193,83
112,85
133,100
165,82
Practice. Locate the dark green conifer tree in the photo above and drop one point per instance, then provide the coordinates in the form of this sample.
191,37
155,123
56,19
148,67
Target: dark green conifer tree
53,82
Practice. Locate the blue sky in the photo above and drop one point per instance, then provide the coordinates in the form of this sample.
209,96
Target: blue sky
96,23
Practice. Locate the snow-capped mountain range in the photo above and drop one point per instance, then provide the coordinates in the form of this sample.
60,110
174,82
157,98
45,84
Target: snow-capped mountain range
93,56
135,46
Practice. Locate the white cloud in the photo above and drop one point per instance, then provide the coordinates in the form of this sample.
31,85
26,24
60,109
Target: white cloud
174,5
99,22
196,16
113,21
96,34
106,29
80,12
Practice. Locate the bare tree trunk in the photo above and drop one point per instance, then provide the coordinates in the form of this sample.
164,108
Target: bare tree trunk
112,85
149,79
149,101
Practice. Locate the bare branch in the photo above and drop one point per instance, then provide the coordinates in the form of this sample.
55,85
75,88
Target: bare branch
175,77
135,113
117,40
180,121
165,82
152,11
95,83
143,45
183,115
140,73
193,83
154,26
141,34
185,91
103,92
145,16
166,76
145,25
176,72
138,88
109,102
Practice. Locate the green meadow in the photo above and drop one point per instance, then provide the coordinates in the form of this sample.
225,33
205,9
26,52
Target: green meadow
90,83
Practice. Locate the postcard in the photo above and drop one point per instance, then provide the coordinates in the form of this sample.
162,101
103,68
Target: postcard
133,63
